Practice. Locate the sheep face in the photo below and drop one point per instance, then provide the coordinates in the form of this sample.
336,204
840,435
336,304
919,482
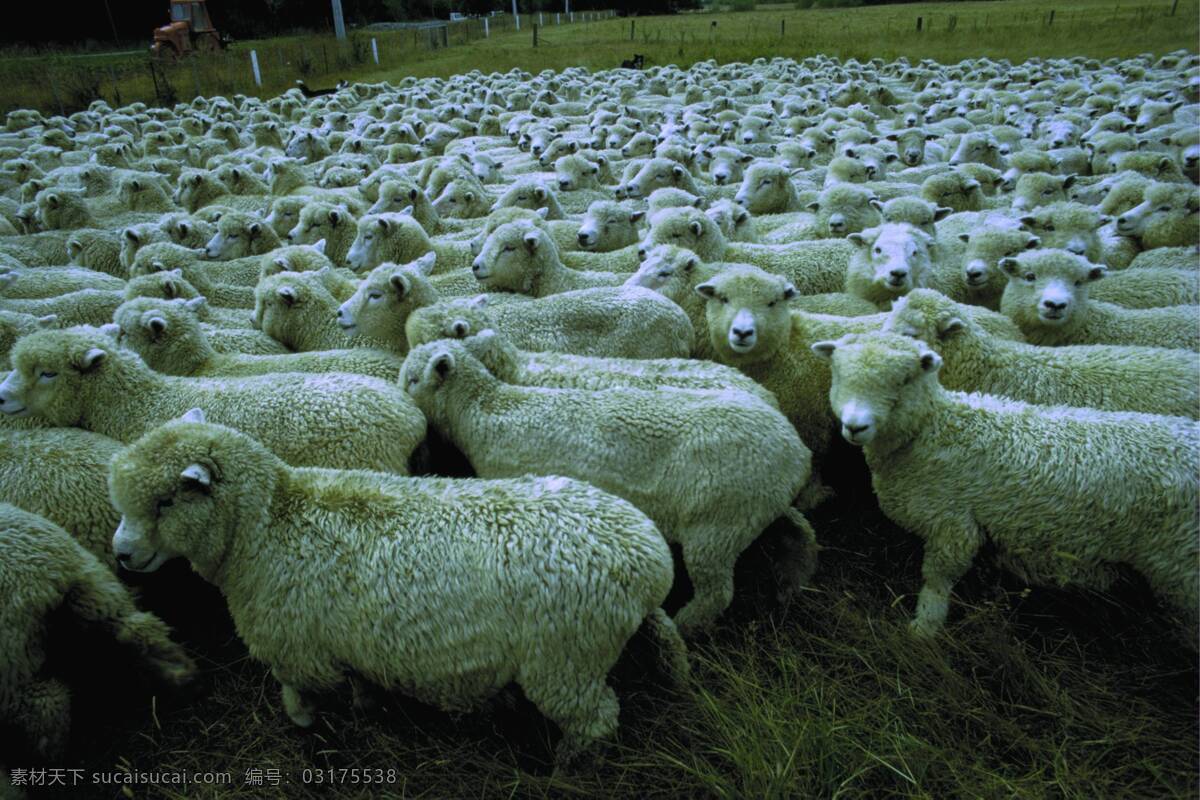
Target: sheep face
874,376
608,226
666,270
926,315
1166,217
381,304
285,213
954,191
290,305
734,221
985,248
1048,286
377,236
459,200
319,221
844,209
747,312
1067,226
1035,189
511,256
910,145
429,367
896,254
919,213
531,195
454,319
656,174
977,148
178,494
574,172
765,189
50,369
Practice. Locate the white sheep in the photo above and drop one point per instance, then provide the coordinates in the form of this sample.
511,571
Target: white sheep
959,470
711,470
538,581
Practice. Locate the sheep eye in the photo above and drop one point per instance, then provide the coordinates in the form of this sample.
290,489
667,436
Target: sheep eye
1048,227
1048,192
46,375
1164,208
878,251
374,295
166,502
1029,276
1079,283
772,304
508,249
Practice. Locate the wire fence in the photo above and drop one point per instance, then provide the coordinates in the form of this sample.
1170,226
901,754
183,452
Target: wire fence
65,83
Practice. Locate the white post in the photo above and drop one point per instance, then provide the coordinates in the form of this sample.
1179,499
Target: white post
339,26
374,50
254,66
486,32
516,16
557,18
540,23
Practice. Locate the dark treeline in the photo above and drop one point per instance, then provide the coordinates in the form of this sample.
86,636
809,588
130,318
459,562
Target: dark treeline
131,22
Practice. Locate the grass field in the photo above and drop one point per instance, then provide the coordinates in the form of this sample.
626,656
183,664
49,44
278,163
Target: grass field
1013,29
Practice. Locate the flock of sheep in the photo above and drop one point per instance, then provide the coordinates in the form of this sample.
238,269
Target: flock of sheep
254,334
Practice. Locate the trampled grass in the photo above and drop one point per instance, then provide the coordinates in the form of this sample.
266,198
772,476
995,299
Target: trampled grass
1013,29
1029,695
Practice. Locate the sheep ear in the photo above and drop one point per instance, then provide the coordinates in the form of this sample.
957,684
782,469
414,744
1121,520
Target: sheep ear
531,241
697,227
543,212
318,246
635,216
814,206
383,223
706,290
91,358
1069,181
930,361
1028,220
1010,266
155,325
111,329
941,212
949,326
193,415
824,349
131,235
335,216
478,301
875,203
399,282
857,239
789,291
442,365
1096,272
254,228
426,263
287,294
48,321
195,304
196,476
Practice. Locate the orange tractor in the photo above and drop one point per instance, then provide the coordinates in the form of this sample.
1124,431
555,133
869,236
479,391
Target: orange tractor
189,31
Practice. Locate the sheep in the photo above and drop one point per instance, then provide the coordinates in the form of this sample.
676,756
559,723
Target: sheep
1166,257
751,327
768,189
961,469
812,267
522,257
532,194
197,189
205,276
1047,297
736,223
284,213
891,260
726,165
552,370
952,189
168,337
976,277
80,377
96,250
610,322
295,258
240,234
399,238
917,212
492,559
297,310
657,173
711,470
14,325
1165,218
608,226
60,473
1109,378
843,209
915,145
83,307
1035,189
43,571
333,224
50,281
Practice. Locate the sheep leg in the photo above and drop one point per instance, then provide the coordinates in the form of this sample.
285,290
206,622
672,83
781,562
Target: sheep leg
797,559
949,550
300,711
585,710
711,571
98,597
43,710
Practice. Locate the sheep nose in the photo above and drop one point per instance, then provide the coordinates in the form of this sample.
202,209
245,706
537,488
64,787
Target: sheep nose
856,429
642,253
719,178
1058,143
899,273
476,265
1053,306
1077,248
742,333
974,272
1141,128
740,199
564,185
583,238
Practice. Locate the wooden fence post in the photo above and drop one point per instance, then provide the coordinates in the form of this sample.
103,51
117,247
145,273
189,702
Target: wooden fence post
254,68
535,27
1050,21
1174,6
196,76
918,24
631,25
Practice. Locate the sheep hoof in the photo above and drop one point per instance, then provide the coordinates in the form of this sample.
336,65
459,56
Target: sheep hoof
300,712
922,629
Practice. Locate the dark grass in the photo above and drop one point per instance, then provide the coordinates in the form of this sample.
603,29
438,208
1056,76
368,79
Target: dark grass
1028,694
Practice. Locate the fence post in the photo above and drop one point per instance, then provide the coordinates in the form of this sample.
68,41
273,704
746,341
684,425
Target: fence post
632,23
1050,22
782,28
535,27
516,16
445,36
374,49
1174,6
540,23
918,24
154,77
254,67
112,76
325,53
486,33
54,91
